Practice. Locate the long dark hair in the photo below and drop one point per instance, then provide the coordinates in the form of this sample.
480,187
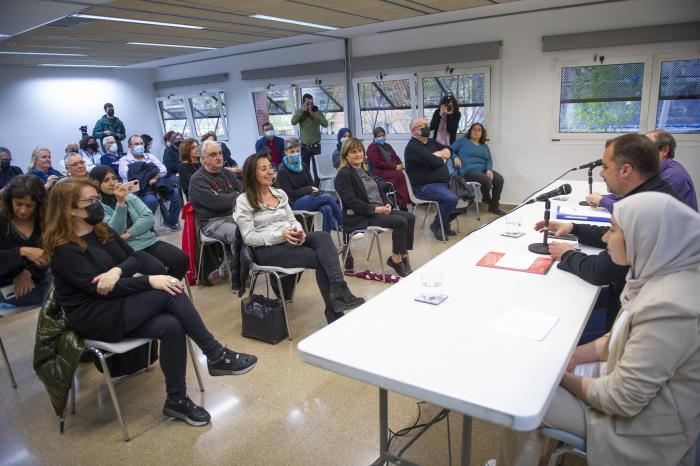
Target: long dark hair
23,186
250,182
483,133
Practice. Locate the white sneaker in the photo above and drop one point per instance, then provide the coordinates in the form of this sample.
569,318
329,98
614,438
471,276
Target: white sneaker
491,462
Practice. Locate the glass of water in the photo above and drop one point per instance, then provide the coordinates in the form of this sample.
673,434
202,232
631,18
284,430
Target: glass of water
514,226
431,287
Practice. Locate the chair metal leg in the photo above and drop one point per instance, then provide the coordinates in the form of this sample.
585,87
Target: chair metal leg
427,211
194,363
148,356
284,303
379,252
112,392
7,364
442,224
72,393
476,204
201,257
371,245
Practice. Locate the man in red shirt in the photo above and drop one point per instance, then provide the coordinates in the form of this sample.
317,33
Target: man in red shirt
270,143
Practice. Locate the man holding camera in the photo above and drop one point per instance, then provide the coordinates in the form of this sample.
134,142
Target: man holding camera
109,125
310,120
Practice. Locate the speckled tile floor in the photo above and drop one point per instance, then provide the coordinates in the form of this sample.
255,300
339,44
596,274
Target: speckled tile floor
284,412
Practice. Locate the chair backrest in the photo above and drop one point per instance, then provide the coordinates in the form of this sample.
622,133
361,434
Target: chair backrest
411,196
324,166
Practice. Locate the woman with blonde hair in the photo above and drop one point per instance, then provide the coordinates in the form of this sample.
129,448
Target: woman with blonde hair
94,277
40,165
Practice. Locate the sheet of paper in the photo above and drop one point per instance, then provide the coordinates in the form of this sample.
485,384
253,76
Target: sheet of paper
584,211
526,324
516,261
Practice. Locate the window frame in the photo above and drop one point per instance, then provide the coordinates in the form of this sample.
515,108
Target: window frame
644,103
654,93
187,97
281,86
297,88
389,77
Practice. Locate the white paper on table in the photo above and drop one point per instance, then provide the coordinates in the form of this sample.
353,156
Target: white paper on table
516,261
526,324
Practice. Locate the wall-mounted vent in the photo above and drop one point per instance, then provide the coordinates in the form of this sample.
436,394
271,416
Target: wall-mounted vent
70,22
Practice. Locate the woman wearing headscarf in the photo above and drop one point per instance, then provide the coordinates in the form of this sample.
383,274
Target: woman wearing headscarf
388,166
634,394
343,135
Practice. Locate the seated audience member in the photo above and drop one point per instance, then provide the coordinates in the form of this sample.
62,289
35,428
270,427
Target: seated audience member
343,135
672,173
294,178
147,142
133,221
150,182
171,155
94,278
364,204
75,166
72,148
634,394
630,166
445,121
472,160
189,163
388,166
229,163
425,165
271,143
90,150
110,157
23,265
7,170
269,227
212,192
40,165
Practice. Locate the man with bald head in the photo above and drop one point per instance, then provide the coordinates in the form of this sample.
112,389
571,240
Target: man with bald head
425,165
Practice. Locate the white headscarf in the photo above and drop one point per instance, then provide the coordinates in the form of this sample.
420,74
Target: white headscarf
662,236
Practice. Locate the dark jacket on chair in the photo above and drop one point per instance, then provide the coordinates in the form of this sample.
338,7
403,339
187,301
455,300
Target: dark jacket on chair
57,351
352,193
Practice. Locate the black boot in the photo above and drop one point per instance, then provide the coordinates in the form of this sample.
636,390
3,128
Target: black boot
342,299
408,264
332,316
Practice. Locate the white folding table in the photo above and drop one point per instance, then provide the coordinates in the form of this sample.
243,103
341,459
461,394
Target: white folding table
450,355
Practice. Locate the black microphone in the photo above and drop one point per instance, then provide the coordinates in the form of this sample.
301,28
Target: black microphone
560,191
595,163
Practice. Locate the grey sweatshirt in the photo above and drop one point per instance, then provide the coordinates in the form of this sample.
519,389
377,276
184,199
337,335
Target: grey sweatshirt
264,227
212,194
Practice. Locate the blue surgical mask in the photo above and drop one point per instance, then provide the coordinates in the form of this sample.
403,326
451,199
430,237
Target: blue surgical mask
381,141
138,150
270,133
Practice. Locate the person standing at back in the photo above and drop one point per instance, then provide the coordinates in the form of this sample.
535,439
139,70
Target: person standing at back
310,120
110,125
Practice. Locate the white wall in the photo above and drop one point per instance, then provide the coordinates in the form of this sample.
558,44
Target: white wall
525,83
46,106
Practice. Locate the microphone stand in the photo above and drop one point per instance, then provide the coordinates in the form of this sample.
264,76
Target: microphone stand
543,247
590,185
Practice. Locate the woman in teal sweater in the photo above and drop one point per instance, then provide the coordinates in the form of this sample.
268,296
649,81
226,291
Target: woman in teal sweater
472,159
131,219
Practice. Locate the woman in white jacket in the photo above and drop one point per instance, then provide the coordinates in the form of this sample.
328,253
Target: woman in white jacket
267,224
634,394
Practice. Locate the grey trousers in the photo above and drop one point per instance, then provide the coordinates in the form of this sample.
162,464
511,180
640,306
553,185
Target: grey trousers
223,229
566,412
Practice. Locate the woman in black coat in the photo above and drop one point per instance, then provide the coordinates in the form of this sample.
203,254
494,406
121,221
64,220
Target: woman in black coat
448,116
94,277
364,204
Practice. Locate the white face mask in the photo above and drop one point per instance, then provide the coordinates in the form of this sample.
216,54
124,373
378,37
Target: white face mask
113,149
270,133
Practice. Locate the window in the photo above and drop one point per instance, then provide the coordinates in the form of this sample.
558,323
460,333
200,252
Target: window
209,112
173,113
468,89
329,100
276,106
386,104
601,98
678,109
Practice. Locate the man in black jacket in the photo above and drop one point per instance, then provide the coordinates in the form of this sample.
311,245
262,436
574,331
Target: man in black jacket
213,191
630,166
425,165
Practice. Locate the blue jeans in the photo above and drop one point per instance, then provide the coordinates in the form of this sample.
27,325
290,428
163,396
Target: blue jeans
171,216
446,199
34,298
326,204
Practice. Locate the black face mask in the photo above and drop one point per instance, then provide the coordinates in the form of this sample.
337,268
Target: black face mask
4,165
110,112
425,131
96,213
177,143
93,146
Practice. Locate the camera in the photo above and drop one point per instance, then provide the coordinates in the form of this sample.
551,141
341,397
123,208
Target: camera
311,107
83,130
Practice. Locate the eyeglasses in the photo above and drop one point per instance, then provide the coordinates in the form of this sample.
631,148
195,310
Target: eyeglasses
91,200
75,164
215,154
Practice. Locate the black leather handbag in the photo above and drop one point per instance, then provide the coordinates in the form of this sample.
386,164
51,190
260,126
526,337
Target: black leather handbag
263,319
